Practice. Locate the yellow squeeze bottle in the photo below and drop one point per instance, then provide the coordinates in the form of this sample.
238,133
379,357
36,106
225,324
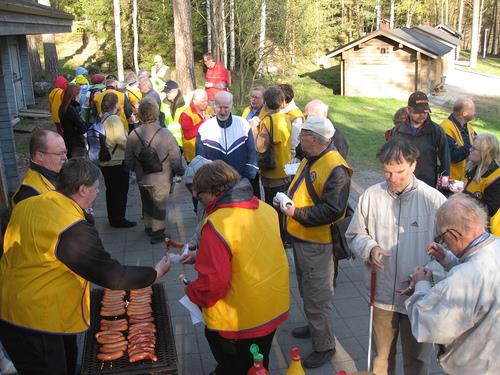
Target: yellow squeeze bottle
295,367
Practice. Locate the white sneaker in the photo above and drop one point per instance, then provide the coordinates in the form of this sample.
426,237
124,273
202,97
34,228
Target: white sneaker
7,367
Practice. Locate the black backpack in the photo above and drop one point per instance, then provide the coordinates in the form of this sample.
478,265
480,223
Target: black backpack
148,157
96,140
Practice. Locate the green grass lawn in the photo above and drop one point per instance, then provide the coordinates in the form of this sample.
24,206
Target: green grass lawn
488,65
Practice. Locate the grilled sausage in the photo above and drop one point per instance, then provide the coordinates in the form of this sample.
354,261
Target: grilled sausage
112,349
134,320
110,339
110,356
142,356
115,345
139,326
107,312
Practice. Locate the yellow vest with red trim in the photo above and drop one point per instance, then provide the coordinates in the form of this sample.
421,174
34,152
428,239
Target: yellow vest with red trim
321,169
282,138
260,287
246,111
36,181
478,188
55,100
189,145
457,170
294,114
37,291
121,100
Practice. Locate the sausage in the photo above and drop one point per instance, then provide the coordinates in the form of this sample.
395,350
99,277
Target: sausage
112,322
106,312
131,335
114,345
137,340
145,336
141,345
112,349
139,305
110,339
140,350
141,356
108,333
114,327
133,320
174,244
106,302
110,356
146,325
145,310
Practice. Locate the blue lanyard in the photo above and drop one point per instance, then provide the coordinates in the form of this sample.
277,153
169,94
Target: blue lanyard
483,237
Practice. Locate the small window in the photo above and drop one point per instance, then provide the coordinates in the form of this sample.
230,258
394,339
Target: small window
383,51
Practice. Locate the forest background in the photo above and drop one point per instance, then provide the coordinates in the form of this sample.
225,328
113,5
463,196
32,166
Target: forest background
263,42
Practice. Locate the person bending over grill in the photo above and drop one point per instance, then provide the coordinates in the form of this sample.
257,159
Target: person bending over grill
52,252
243,284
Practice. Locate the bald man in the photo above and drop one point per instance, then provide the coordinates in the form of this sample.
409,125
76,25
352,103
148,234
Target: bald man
318,108
48,155
460,135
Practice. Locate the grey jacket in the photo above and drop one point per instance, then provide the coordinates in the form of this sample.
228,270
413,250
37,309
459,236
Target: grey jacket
167,149
401,224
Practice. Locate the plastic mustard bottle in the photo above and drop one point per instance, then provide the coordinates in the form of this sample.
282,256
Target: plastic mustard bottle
258,362
295,367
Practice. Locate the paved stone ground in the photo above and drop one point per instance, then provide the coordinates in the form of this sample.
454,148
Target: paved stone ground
350,315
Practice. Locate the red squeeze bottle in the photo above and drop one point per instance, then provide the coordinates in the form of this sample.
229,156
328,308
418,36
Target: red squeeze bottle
258,362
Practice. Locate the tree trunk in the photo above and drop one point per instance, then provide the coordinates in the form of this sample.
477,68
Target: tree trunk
224,33
50,52
460,15
118,39
136,36
35,63
378,9
446,9
232,36
184,60
393,6
262,35
209,26
474,44
496,38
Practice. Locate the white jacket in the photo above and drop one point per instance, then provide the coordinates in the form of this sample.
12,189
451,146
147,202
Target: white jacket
401,224
462,312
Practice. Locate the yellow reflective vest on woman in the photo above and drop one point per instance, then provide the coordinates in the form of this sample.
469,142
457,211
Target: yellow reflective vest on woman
457,170
37,291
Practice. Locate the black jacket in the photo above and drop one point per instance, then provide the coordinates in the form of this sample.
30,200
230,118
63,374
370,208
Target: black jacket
432,143
73,126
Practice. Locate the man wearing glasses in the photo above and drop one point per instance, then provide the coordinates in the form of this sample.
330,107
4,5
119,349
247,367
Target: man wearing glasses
48,155
390,230
460,313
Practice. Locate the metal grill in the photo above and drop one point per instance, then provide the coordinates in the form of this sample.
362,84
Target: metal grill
165,345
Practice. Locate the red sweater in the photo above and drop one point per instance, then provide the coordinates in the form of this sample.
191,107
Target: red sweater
218,75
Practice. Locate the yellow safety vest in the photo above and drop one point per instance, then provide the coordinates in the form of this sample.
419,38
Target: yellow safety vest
478,188
55,99
294,114
259,291
37,291
457,170
172,122
121,100
320,171
282,129
189,145
246,111
36,181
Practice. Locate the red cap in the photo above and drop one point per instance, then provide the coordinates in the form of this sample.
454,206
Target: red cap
295,354
97,78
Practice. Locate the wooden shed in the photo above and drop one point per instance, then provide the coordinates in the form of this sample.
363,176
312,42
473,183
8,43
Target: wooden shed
19,18
391,64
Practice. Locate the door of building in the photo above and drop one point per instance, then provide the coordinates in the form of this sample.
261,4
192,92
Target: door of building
17,76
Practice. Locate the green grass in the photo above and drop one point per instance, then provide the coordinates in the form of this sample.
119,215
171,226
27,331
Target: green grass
364,120
488,65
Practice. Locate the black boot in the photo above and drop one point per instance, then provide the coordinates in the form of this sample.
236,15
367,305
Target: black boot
157,236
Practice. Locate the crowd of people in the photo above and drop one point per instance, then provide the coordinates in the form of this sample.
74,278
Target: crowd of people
271,178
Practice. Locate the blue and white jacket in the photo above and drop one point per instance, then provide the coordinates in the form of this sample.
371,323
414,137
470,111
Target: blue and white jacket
231,141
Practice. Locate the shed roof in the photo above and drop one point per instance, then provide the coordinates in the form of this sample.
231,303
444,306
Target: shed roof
450,30
21,17
440,34
407,37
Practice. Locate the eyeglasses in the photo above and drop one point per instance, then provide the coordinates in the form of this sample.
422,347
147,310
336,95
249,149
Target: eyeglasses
60,153
305,134
440,237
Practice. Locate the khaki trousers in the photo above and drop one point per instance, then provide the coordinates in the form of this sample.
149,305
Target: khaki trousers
314,268
387,325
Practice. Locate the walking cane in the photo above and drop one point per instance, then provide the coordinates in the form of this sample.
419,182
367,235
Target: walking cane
373,283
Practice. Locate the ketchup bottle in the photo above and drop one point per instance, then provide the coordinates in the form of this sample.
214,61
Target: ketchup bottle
295,367
258,364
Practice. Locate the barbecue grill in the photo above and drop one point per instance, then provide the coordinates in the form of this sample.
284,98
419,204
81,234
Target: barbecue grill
165,345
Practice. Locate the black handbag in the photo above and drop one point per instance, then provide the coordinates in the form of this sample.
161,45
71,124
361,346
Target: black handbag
264,145
341,249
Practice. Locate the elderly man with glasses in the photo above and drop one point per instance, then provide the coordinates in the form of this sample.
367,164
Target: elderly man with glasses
461,312
48,155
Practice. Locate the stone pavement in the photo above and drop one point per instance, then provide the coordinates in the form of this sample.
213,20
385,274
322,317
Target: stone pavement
350,315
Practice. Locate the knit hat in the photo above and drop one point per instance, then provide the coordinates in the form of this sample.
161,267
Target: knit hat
169,86
319,125
97,78
419,102
81,71
193,167
81,80
157,59
61,82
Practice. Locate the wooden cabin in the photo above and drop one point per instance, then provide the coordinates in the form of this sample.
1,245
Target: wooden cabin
19,18
391,64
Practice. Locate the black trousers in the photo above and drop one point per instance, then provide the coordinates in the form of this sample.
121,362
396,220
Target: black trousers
233,356
256,185
38,353
269,194
116,181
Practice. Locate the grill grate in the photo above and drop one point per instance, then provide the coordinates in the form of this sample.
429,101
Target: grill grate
165,345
